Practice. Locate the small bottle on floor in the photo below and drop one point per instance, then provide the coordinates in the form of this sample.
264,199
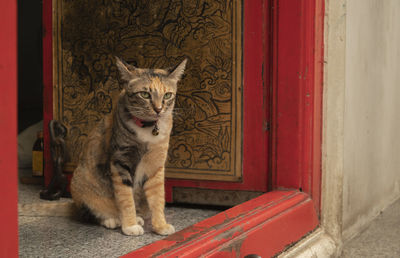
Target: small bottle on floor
37,155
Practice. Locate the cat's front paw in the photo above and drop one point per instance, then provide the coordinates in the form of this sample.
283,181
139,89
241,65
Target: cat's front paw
167,229
134,230
140,220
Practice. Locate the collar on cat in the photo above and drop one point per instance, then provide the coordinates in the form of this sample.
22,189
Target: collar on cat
142,123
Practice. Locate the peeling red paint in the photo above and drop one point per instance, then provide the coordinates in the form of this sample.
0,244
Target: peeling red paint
232,249
184,233
230,233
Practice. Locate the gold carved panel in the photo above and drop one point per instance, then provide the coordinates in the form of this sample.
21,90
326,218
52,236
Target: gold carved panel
206,139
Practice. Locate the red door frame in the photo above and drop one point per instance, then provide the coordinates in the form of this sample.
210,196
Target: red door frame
265,225
8,130
297,79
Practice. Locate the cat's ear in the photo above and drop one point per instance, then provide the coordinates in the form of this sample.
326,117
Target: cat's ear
126,71
176,74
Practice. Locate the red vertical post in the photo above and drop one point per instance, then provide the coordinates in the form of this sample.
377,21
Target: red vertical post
255,88
8,129
297,73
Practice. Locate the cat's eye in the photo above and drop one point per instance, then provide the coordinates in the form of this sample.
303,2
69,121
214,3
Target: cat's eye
144,94
168,95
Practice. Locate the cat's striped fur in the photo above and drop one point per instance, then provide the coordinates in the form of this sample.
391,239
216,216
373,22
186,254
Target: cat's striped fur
122,156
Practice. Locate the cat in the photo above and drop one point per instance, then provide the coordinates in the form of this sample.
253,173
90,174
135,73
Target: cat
124,155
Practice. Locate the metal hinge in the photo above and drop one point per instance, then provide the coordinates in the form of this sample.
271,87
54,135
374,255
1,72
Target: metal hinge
267,126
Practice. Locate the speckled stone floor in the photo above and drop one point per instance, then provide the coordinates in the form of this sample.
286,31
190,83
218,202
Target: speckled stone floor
380,239
66,237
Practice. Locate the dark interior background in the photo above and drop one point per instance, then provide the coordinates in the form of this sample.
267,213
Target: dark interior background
30,86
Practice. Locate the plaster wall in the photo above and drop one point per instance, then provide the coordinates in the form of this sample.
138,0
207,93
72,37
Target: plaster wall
371,178
333,110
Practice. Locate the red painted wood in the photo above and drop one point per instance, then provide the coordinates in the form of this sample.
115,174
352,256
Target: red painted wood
47,85
255,106
274,235
267,82
287,72
316,166
297,95
242,230
8,129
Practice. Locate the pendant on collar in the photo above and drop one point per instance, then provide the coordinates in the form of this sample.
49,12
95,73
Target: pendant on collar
156,130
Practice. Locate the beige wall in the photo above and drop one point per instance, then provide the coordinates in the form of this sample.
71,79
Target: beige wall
372,111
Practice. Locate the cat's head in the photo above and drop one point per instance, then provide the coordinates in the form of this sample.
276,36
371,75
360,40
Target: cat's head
149,93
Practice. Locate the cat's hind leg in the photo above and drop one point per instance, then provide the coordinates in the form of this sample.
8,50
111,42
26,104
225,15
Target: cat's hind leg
103,209
92,204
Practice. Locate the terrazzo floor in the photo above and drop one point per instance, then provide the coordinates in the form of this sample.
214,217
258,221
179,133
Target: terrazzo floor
66,237
380,239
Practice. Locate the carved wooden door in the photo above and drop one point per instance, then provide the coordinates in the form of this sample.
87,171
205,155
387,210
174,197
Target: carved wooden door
219,139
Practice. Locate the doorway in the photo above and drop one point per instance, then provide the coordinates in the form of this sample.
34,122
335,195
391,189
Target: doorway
30,83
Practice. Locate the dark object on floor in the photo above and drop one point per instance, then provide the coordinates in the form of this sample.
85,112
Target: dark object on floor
58,183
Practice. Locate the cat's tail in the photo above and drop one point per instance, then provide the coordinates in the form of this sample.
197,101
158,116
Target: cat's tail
53,209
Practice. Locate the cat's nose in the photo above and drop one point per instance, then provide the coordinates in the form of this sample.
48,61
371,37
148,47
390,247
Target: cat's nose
158,109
